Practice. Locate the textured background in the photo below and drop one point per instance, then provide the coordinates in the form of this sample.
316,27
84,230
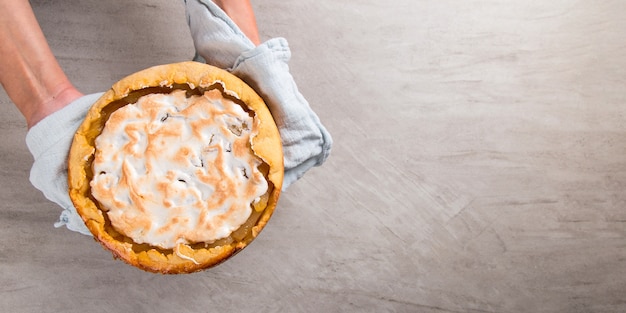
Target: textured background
479,163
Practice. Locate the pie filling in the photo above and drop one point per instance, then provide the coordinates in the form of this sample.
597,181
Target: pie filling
174,168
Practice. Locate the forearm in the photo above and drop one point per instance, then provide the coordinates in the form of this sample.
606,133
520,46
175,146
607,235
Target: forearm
241,12
31,75
29,72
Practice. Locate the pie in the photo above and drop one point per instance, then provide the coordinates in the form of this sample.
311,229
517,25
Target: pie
176,168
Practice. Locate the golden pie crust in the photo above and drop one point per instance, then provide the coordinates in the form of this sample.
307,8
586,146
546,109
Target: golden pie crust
195,78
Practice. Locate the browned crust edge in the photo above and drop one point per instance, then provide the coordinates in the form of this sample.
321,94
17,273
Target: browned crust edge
266,145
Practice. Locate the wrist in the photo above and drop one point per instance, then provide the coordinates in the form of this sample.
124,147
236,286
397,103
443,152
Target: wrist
60,97
242,13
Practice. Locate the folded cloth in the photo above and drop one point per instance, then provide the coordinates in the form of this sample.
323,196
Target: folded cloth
49,142
218,40
306,142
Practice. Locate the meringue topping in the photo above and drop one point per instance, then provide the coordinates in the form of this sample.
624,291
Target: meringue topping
174,169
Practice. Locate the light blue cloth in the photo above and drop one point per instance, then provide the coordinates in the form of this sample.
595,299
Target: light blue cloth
219,42
49,142
217,39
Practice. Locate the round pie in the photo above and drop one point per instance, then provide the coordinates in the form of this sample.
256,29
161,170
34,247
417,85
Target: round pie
176,168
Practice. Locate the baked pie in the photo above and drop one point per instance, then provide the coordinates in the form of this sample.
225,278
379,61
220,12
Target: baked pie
176,168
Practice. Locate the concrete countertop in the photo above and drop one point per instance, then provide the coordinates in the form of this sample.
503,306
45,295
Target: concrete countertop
479,163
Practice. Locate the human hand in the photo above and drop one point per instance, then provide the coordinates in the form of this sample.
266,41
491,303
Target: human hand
306,143
219,42
49,142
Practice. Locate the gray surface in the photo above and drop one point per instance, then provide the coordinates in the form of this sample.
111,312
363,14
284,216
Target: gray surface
479,163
